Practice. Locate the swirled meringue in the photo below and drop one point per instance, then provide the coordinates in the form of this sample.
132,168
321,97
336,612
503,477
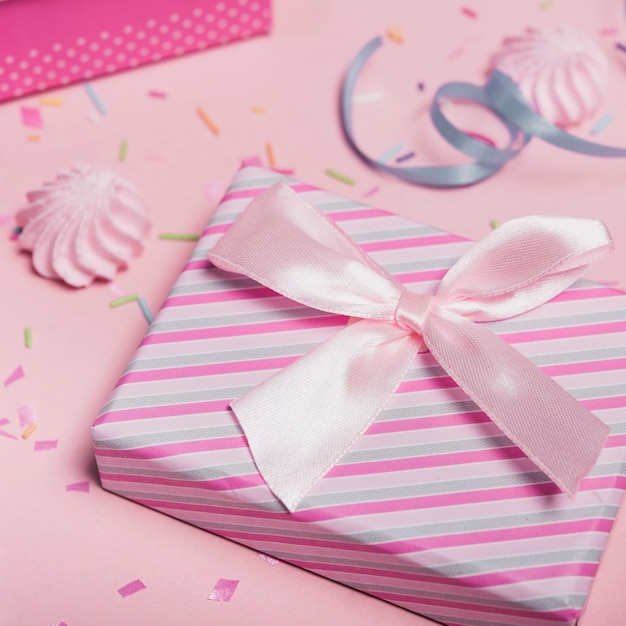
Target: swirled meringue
86,224
561,71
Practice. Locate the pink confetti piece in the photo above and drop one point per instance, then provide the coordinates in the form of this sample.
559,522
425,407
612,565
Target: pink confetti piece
4,220
457,52
608,32
130,588
157,94
251,161
469,12
118,291
17,373
371,192
46,444
3,422
26,414
62,624
31,117
82,486
223,590
266,557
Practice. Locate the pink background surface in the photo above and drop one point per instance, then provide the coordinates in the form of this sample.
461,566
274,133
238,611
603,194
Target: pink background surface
63,555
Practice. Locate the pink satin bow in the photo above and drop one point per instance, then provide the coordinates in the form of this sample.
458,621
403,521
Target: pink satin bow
304,418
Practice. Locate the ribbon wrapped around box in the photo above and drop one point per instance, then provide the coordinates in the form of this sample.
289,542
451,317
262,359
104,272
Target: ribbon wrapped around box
375,409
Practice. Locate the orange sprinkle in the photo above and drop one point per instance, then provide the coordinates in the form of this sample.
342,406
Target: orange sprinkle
51,102
33,137
271,159
257,108
208,121
30,429
395,34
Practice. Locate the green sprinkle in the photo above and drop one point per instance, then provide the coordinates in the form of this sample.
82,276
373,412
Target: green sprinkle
341,177
123,150
124,300
145,310
493,224
179,236
28,337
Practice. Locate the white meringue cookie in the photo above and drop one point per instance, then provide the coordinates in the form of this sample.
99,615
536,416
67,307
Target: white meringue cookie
561,72
86,224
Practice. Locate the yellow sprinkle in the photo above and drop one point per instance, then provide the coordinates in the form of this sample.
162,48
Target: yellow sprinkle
271,159
258,109
395,34
51,102
33,137
208,121
30,429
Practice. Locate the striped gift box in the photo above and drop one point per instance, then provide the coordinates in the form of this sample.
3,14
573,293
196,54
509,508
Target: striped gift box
433,509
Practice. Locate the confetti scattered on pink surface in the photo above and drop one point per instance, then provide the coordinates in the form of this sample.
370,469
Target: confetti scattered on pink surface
26,414
45,444
17,373
31,117
81,486
608,32
3,422
371,192
266,557
469,12
224,590
130,588
251,161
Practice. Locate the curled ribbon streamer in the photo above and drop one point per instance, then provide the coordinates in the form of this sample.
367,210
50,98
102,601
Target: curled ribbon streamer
501,96
305,417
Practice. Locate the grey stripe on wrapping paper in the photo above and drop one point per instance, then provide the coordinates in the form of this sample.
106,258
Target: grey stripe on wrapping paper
395,234
235,319
182,397
414,531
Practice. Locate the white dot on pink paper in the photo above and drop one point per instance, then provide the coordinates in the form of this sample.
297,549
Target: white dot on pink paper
179,51
199,29
23,64
167,45
201,45
156,56
243,2
164,28
18,92
254,6
56,47
41,86
189,40
197,12
13,75
222,23
265,13
223,39
133,63
174,17
74,69
176,34
256,23
111,68
186,23
65,80
143,52
131,45
212,34
232,12
28,81
84,58
47,58
51,75
234,29
70,52
107,52
244,17
104,35
36,69
209,18
88,74
94,46
117,41
81,41
9,59
128,29
154,40
140,34
151,23
33,53
220,6
4,87
120,57
246,33
98,63
61,63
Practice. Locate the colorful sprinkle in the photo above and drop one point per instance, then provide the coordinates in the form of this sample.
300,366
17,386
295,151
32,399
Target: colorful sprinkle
93,117
372,96
620,46
256,108
389,154
208,121
493,224
601,124
123,300
123,150
469,12
48,444
95,98
340,177
179,236
30,429
395,34
130,588
26,415
546,4
82,486
421,86
271,158
143,305
49,101
157,94
405,157
33,138
28,337
15,375
31,117
371,192
223,590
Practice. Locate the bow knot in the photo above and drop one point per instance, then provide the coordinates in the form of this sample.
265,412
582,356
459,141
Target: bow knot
305,417
411,310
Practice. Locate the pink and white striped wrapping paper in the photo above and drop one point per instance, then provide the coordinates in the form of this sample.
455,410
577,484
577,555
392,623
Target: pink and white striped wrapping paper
433,509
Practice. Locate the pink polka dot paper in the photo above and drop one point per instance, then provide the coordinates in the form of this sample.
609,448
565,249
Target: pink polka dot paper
58,42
